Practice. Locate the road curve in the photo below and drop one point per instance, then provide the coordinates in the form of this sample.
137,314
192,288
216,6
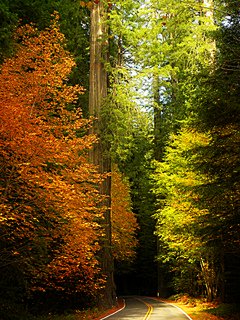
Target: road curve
146,308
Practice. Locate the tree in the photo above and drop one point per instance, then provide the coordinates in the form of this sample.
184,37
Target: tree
171,58
74,24
100,155
49,199
124,222
219,114
8,21
216,197
129,129
183,243
179,52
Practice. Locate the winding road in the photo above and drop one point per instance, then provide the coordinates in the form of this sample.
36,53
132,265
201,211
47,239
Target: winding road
146,308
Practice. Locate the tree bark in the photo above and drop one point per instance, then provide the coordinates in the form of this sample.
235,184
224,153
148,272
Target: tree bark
100,154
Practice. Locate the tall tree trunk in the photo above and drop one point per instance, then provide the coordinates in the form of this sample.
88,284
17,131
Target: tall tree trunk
100,154
158,154
157,111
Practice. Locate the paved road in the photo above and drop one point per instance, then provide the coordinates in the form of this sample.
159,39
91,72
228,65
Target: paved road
145,308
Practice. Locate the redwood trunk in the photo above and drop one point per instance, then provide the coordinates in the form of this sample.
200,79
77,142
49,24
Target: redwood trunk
100,154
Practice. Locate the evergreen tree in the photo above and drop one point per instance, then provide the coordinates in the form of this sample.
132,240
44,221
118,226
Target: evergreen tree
207,93
219,114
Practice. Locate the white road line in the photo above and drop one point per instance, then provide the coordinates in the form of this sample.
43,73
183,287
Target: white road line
115,311
178,309
181,310
173,306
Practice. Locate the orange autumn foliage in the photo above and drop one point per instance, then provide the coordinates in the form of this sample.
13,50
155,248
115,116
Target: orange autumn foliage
124,222
49,198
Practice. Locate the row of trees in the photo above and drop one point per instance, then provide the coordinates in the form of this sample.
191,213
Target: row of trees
52,207
182,58
195,95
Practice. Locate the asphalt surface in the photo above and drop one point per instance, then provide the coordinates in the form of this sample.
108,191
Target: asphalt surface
146,308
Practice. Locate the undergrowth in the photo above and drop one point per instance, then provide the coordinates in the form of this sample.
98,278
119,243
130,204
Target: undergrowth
200,309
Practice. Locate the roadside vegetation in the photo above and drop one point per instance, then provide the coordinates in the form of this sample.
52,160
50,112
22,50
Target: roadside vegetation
200,309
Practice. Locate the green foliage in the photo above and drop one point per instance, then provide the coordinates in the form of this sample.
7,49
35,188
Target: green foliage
75,24
225,309
175,180
8,22
219,114
183,216
129,131
198,186
174,49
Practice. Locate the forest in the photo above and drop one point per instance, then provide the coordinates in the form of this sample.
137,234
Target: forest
120,147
